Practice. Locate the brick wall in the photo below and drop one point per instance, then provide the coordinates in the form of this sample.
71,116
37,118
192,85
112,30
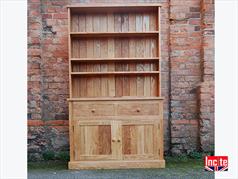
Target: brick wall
185,68
206,91
187,74
47,77
46,136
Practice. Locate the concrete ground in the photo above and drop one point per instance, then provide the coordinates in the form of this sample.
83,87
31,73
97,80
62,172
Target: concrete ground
190,169
121,174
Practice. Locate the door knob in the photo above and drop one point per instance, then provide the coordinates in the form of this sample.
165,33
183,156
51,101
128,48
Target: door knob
93,110
138,110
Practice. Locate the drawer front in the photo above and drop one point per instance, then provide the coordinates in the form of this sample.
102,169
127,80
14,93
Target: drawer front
93,110
135,108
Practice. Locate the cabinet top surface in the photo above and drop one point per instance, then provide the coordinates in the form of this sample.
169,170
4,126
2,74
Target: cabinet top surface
114,5
105,8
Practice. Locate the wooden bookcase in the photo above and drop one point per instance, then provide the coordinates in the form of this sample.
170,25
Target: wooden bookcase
115,104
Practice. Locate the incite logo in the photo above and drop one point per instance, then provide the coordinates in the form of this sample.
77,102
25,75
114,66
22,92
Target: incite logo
216,163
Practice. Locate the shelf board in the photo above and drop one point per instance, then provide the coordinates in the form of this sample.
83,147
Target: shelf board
114,59
101,5
113,34
115,7
117,73
123,98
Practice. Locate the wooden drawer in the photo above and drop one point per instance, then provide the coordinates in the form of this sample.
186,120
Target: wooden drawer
81,109
137,108
116,109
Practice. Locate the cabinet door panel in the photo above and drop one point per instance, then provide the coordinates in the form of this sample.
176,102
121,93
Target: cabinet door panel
140,140
93,140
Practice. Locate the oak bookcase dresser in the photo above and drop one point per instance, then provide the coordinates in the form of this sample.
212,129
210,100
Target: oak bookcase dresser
115,104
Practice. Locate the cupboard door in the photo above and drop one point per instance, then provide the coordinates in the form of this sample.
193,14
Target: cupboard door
140,140
93,140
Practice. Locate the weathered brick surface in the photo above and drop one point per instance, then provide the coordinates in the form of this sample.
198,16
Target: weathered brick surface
48,62
206,91
182,137
47,76
207,115
187,74
34,60
185,56
44,136
54,60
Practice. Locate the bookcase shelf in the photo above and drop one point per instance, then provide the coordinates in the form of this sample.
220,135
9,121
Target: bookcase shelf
133,98
113,34
115,8
115,103
117,73
114,59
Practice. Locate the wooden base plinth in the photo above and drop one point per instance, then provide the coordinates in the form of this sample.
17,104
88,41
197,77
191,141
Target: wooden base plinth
116,164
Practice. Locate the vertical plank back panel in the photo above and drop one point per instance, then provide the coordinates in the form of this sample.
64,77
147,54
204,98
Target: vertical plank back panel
104,54
89,45
146,26
111,54
82,67
111,47
125,53
118,53
132,53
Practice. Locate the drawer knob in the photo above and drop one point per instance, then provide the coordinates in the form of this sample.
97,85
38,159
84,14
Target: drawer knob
93,110
138,110
118,140
113,140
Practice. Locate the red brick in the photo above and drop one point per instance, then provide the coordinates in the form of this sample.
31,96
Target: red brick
51,22
194,21
51,9
34,52
54,85
57,122
63,40
60,16
33,84
61,128
33,71
35,40
35,122
34,6
34,1
48,123
184,121
34,13
47,16
35,26
194,9
59,3
34,66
